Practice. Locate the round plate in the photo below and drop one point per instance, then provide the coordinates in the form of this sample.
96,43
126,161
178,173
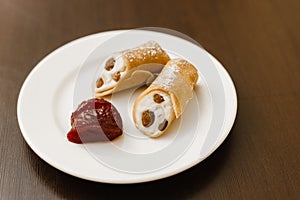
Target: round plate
47,99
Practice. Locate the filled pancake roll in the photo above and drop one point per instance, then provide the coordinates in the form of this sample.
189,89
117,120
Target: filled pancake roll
166,98
130,68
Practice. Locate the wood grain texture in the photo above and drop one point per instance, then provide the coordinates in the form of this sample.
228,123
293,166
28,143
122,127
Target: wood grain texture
257,41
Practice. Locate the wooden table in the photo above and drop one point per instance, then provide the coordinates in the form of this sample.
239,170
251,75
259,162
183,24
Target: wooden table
257,41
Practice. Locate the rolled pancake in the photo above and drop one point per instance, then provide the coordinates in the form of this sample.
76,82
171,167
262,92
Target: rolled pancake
131,68
166,98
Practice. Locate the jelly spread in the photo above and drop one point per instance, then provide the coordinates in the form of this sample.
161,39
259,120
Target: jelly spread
95,120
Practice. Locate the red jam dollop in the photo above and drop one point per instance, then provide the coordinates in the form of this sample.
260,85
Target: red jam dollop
95,120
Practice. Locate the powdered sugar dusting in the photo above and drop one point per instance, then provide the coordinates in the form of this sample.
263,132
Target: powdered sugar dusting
128,61
143,52
174,78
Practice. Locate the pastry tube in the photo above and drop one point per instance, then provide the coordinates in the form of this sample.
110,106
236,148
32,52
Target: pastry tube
166,98
131,68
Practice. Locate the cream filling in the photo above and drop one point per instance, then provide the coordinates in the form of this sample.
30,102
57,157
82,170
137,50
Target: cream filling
162,111
107,76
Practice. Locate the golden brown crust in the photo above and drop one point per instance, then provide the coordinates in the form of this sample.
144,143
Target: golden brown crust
177,80
186,69
149,58
148,53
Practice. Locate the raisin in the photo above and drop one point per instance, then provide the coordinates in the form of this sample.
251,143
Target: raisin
99,82
117,76
163,125
148,118
158,98
110,64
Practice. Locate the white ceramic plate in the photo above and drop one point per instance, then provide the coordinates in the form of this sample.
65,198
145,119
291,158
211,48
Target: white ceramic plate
50,94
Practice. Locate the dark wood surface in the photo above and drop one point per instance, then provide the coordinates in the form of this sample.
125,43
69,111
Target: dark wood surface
257,41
